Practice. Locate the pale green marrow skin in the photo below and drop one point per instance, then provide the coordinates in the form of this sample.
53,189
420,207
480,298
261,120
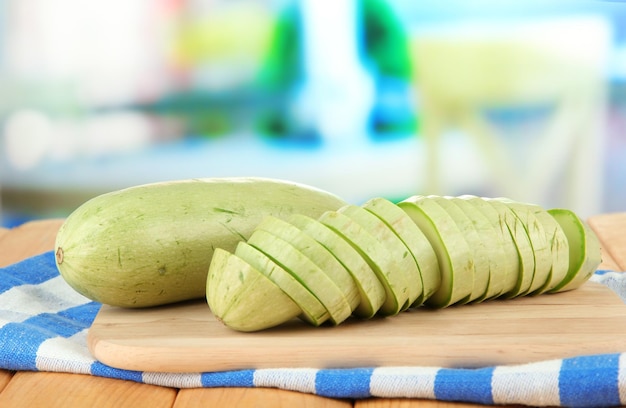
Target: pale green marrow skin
585,253
371,290
559,245
243,298
250,246
453,251
541,248
504,259
396,249
152,244
489,256
522,274
412,236
479,256
376,255
317,253
312,310
305,271
486,248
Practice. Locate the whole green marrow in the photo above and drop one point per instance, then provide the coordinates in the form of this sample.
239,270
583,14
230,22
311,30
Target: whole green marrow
152,244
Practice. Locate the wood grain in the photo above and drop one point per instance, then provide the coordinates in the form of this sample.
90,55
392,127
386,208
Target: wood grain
611,230
3,232
32,389
253,397
27,240
5,377
608,263
187,338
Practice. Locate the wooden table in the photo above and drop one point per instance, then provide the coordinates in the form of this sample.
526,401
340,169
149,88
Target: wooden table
49,390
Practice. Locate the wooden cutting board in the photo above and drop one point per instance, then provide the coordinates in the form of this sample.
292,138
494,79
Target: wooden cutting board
187,338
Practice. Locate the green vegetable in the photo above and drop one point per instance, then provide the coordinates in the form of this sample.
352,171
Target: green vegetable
152,244
455,257
315,252
263,252
312,310
395,249
305,271
414,239
584,249
373,250
244,298
425,251
371,291
541,249
478,245
489,256
524,270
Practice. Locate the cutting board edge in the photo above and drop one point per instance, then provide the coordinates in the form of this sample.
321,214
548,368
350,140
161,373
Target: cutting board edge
124,355
189,364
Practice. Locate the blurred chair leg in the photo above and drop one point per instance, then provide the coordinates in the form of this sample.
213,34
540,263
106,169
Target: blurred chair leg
432,125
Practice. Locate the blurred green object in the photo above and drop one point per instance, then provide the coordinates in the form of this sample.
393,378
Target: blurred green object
263,102
384,48
385,40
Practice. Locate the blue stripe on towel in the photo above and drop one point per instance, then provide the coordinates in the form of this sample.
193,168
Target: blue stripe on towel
82,314
602,271
21,340
344,383
19,343
590,381
470,385
238,378
31,271
101,370
65,323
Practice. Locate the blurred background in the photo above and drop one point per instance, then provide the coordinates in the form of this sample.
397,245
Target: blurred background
363,98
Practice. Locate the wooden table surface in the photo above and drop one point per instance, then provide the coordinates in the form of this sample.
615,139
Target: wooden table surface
49,390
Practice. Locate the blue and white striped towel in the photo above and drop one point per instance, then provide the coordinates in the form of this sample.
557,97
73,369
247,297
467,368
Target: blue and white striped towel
44,323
